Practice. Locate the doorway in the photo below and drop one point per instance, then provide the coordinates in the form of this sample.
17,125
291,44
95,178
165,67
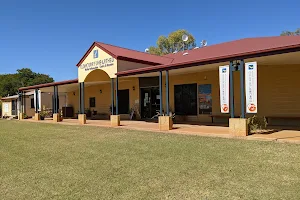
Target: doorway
123,96
14,107
150,102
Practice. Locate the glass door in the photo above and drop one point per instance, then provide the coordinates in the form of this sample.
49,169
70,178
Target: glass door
155,101
145,103
14,107
150,102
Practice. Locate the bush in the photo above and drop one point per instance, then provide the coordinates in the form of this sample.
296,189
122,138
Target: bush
256,123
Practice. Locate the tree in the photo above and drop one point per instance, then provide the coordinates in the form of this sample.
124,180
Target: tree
166,45
10,83
289,33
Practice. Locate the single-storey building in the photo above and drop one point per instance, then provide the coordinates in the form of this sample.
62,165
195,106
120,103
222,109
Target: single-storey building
13,105
125,84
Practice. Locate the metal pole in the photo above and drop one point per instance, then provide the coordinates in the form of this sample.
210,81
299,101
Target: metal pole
167,93
54,99
242,80
160,93
81,98
24,102
19,103
231,89
117,98
112,96
36,101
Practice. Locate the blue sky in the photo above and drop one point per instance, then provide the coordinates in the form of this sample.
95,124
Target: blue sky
51,36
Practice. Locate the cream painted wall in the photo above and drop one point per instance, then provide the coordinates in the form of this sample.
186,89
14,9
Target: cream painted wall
46,101
28,110
207,77
103,98
278,91
97,63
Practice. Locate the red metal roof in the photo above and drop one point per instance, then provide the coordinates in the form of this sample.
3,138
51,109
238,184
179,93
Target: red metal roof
227,50
211,54
246,45
10,97
128,54
49,84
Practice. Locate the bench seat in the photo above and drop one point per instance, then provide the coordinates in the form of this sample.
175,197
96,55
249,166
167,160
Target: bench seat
219,116
282,117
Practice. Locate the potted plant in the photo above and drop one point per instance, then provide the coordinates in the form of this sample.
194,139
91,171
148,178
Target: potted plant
110,109
171,114
43,114
61,116
76,114
88,112
132,114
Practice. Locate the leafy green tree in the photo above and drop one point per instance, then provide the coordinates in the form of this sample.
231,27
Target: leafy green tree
10,83
289,33
166,45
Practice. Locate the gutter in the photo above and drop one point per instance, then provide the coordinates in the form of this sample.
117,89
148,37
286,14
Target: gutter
49,84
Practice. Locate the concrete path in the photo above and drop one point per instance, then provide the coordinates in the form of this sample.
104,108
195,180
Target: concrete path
277,134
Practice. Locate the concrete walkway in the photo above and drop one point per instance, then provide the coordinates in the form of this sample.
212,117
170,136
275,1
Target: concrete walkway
278,134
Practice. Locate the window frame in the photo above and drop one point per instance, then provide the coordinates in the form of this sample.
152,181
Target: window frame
186,111
92,106
32,103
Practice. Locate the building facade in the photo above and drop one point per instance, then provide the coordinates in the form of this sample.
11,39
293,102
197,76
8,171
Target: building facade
114,80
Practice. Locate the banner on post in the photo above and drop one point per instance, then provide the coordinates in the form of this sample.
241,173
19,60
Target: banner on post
251,87
224,88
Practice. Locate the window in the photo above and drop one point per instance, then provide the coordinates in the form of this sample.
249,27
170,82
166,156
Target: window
185,99
205,99
32,103
92,102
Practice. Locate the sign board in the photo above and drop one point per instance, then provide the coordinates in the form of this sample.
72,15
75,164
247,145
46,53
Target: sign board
251,87
224,88
98,64
97,59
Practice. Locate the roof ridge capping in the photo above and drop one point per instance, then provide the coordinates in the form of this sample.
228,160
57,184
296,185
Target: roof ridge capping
164,56
121,52
238,40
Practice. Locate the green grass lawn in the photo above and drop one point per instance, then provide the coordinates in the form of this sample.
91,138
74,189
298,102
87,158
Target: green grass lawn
48,161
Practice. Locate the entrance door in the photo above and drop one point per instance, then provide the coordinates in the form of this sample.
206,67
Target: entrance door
14,107
150,102
123,101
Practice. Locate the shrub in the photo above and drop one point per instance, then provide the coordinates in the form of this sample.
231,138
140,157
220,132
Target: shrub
256,123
